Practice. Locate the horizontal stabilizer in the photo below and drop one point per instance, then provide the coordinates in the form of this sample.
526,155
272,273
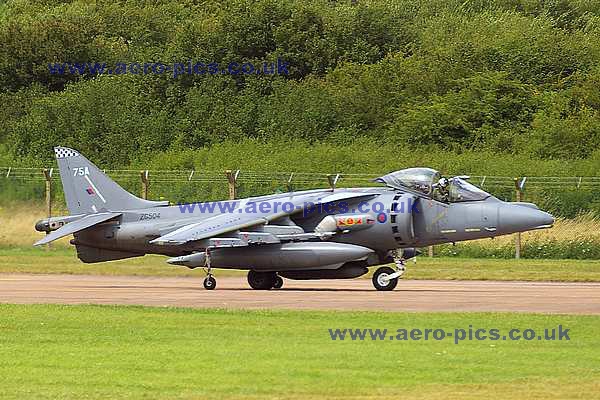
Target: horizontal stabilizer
76,226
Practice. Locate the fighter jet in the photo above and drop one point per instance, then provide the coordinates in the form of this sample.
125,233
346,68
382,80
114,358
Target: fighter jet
333,233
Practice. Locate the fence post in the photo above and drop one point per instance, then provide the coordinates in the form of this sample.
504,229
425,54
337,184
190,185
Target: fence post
519,185
48,177
231,180
145,182
430,251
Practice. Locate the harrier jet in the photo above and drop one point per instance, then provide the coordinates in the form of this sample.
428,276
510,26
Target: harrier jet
331,233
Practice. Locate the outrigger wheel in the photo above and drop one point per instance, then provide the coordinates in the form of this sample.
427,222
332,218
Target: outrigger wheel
262,280
209,282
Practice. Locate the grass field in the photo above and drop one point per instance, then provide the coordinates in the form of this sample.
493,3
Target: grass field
64,260
98,352
17,225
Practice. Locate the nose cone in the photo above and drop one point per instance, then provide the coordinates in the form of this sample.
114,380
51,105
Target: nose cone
516,217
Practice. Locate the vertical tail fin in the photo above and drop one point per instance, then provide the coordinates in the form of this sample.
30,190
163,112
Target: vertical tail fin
88,190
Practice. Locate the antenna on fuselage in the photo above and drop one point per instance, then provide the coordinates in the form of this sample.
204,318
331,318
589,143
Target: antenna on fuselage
333,180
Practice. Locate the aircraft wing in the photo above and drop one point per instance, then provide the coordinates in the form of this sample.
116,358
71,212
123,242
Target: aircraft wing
240,218
76,226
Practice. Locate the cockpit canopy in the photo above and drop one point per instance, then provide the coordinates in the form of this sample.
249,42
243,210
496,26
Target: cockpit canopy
418,179
430,183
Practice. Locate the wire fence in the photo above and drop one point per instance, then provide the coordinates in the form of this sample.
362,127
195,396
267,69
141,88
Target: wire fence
556,182
575,201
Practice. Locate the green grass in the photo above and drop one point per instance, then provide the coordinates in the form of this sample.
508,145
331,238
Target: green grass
63,260
101,352
499,269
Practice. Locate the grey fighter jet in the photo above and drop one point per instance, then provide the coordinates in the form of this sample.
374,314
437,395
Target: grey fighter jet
313,234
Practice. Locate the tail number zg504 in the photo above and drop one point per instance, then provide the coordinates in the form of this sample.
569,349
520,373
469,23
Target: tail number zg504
149,216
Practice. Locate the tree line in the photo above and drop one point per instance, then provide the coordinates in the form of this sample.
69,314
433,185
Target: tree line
513,77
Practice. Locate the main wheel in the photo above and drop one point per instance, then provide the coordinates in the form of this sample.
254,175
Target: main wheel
210,283
261,280
278,282
381,280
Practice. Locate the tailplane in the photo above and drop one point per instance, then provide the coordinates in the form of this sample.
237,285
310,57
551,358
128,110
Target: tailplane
88,190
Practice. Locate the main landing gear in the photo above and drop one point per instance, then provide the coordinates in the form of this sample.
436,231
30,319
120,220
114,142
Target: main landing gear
257,280
386,278
264,280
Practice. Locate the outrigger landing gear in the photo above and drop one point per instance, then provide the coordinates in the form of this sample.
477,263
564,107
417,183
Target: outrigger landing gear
385,278
209,282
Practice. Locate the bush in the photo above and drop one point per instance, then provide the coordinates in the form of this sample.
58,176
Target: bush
515,78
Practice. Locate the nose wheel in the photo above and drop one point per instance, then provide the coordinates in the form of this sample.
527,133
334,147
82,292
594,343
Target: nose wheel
386,278
383,279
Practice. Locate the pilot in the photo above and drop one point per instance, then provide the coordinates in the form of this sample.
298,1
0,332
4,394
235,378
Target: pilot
441,187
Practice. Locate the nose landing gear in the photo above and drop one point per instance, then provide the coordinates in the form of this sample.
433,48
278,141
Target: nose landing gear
386,278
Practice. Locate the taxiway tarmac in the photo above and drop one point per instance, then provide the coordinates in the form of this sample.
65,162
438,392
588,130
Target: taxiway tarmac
355,294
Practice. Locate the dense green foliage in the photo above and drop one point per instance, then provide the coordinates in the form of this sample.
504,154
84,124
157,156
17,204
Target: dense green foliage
514,77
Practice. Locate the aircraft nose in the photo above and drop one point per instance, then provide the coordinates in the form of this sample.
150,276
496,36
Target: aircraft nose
520,218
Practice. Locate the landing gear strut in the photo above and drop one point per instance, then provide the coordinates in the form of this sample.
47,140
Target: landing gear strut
385,278
209,282
264,280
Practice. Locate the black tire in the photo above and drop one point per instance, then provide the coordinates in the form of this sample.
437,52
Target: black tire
278,282
382,285
261,280
210,283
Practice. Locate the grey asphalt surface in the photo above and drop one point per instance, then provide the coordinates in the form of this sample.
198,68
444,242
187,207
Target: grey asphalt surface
356,294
